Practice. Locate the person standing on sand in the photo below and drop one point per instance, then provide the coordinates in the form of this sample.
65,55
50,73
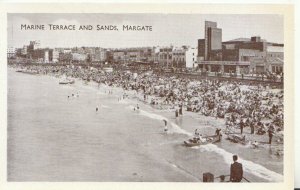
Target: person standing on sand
180,109
252,127
241,126
271,132
236,170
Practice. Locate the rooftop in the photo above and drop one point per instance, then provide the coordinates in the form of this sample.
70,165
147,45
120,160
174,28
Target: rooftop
275,49
240,40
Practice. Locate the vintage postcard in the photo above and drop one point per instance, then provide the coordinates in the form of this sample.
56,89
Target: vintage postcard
148,95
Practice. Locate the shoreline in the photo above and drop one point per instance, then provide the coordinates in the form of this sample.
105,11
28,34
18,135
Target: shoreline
117,92
207,121
219,122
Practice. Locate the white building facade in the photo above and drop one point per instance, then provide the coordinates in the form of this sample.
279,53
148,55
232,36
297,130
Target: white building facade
11,52
191,57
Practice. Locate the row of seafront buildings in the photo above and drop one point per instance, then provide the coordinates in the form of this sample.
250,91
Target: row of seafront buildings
242,55
35,54
169,56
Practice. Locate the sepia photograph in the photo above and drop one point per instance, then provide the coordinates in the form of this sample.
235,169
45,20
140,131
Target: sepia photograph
145,97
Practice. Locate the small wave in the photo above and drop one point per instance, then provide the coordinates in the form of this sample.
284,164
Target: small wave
182,169
169,142
123,102
249,166
177,129
173,128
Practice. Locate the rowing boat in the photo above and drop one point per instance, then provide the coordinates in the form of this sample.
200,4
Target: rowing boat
195,141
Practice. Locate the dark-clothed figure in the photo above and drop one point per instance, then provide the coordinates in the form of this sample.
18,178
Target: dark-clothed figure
270,131
180,110
252,127
166,127
218,131
241,126
222,178
236,170
196,132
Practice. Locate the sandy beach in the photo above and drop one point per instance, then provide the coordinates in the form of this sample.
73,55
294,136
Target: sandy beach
116,143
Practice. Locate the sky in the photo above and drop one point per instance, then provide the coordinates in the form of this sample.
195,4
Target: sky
167,29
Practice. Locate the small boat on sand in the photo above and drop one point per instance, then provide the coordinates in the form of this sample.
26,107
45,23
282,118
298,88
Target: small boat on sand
197,141
237,138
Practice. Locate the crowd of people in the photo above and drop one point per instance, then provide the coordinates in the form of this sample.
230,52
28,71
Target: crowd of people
256,106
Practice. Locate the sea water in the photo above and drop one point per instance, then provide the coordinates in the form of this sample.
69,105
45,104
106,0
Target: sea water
56,134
